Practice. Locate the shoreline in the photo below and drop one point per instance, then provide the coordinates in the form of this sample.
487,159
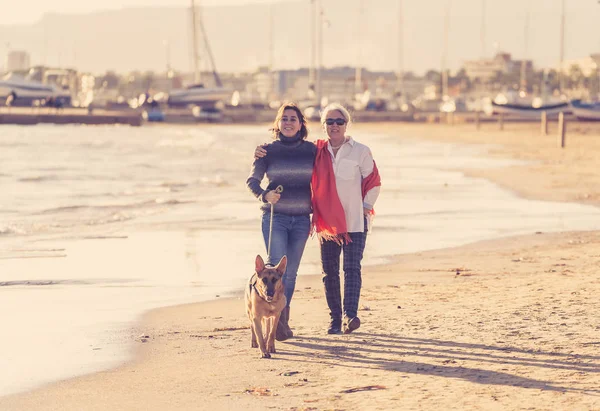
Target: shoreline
199,352
169,332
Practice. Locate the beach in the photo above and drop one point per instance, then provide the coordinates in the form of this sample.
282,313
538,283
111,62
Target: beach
504,320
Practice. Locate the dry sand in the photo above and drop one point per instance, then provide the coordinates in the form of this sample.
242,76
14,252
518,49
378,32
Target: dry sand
506,324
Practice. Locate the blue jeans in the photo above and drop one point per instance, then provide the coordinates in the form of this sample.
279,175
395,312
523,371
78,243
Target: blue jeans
289,237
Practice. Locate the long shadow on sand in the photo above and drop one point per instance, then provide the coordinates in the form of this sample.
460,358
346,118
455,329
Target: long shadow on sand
386,352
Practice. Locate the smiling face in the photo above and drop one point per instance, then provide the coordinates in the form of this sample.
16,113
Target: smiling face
335,131
289,124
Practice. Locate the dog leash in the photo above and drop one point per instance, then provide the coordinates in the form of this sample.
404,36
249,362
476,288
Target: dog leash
278,190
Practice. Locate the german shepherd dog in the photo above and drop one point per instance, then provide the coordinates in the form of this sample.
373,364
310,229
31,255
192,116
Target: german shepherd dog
264,301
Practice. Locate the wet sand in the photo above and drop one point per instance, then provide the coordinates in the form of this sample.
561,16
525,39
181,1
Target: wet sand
501,324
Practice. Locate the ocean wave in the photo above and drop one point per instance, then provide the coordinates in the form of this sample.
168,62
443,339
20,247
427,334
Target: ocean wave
146,165
217,181
41,282
65,282
116,207
37,179
96,144
12,230
172,184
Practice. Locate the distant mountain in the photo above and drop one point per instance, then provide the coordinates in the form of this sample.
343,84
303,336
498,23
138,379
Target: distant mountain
130,39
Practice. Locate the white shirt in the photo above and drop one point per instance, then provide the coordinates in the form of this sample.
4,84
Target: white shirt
353,162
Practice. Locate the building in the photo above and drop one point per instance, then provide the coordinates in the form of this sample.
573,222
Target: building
17,60
588,65
485,70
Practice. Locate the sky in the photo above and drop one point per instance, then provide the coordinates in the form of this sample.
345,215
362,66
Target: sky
345,42
30,11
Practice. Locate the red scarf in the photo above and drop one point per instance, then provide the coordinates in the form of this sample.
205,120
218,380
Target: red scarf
329,219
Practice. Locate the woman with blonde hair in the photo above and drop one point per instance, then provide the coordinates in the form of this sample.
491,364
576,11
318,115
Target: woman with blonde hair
345,187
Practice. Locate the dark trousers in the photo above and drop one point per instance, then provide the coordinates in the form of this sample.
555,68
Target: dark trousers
330,260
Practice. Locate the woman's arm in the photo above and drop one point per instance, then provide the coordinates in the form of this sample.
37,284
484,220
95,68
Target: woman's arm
257,172
259,168
366,166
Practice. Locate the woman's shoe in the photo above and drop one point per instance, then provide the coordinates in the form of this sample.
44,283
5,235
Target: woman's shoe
335,327
283,331
351,324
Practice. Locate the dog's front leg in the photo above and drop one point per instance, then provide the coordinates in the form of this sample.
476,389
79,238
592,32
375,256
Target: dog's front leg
258,332
271,337
267,329
254,343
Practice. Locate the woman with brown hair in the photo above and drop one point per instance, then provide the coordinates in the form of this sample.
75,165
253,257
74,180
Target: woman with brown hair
288,163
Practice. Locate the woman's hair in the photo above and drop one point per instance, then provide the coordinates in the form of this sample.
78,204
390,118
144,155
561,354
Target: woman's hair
289,106
333,107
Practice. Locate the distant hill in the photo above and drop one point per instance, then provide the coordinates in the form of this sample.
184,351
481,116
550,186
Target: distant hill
128,39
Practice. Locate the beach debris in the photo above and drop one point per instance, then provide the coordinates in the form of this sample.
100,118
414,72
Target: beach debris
399,307
448,362
143,338
231,328
289,373
365,388
260,392
365,308
300,383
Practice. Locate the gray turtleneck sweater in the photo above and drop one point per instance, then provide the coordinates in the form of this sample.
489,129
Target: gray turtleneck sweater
289,162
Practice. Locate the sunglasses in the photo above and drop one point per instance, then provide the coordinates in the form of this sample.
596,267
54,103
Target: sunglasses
338,121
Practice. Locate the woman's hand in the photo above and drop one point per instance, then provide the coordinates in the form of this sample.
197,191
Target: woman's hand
260,152
272,197
366,211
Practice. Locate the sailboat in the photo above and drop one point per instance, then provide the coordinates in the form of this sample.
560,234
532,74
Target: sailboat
197,95
522,105
586,111
21,91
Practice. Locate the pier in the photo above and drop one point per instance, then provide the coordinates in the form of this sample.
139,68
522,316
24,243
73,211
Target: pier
70,115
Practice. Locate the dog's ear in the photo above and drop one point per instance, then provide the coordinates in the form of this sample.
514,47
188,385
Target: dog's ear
259,264
281,265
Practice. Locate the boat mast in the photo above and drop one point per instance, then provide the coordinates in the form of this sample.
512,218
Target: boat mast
195,53
211,59
320,21
400,75
313,47
445,50
359,31
562,47
482,29
271,51
523,82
